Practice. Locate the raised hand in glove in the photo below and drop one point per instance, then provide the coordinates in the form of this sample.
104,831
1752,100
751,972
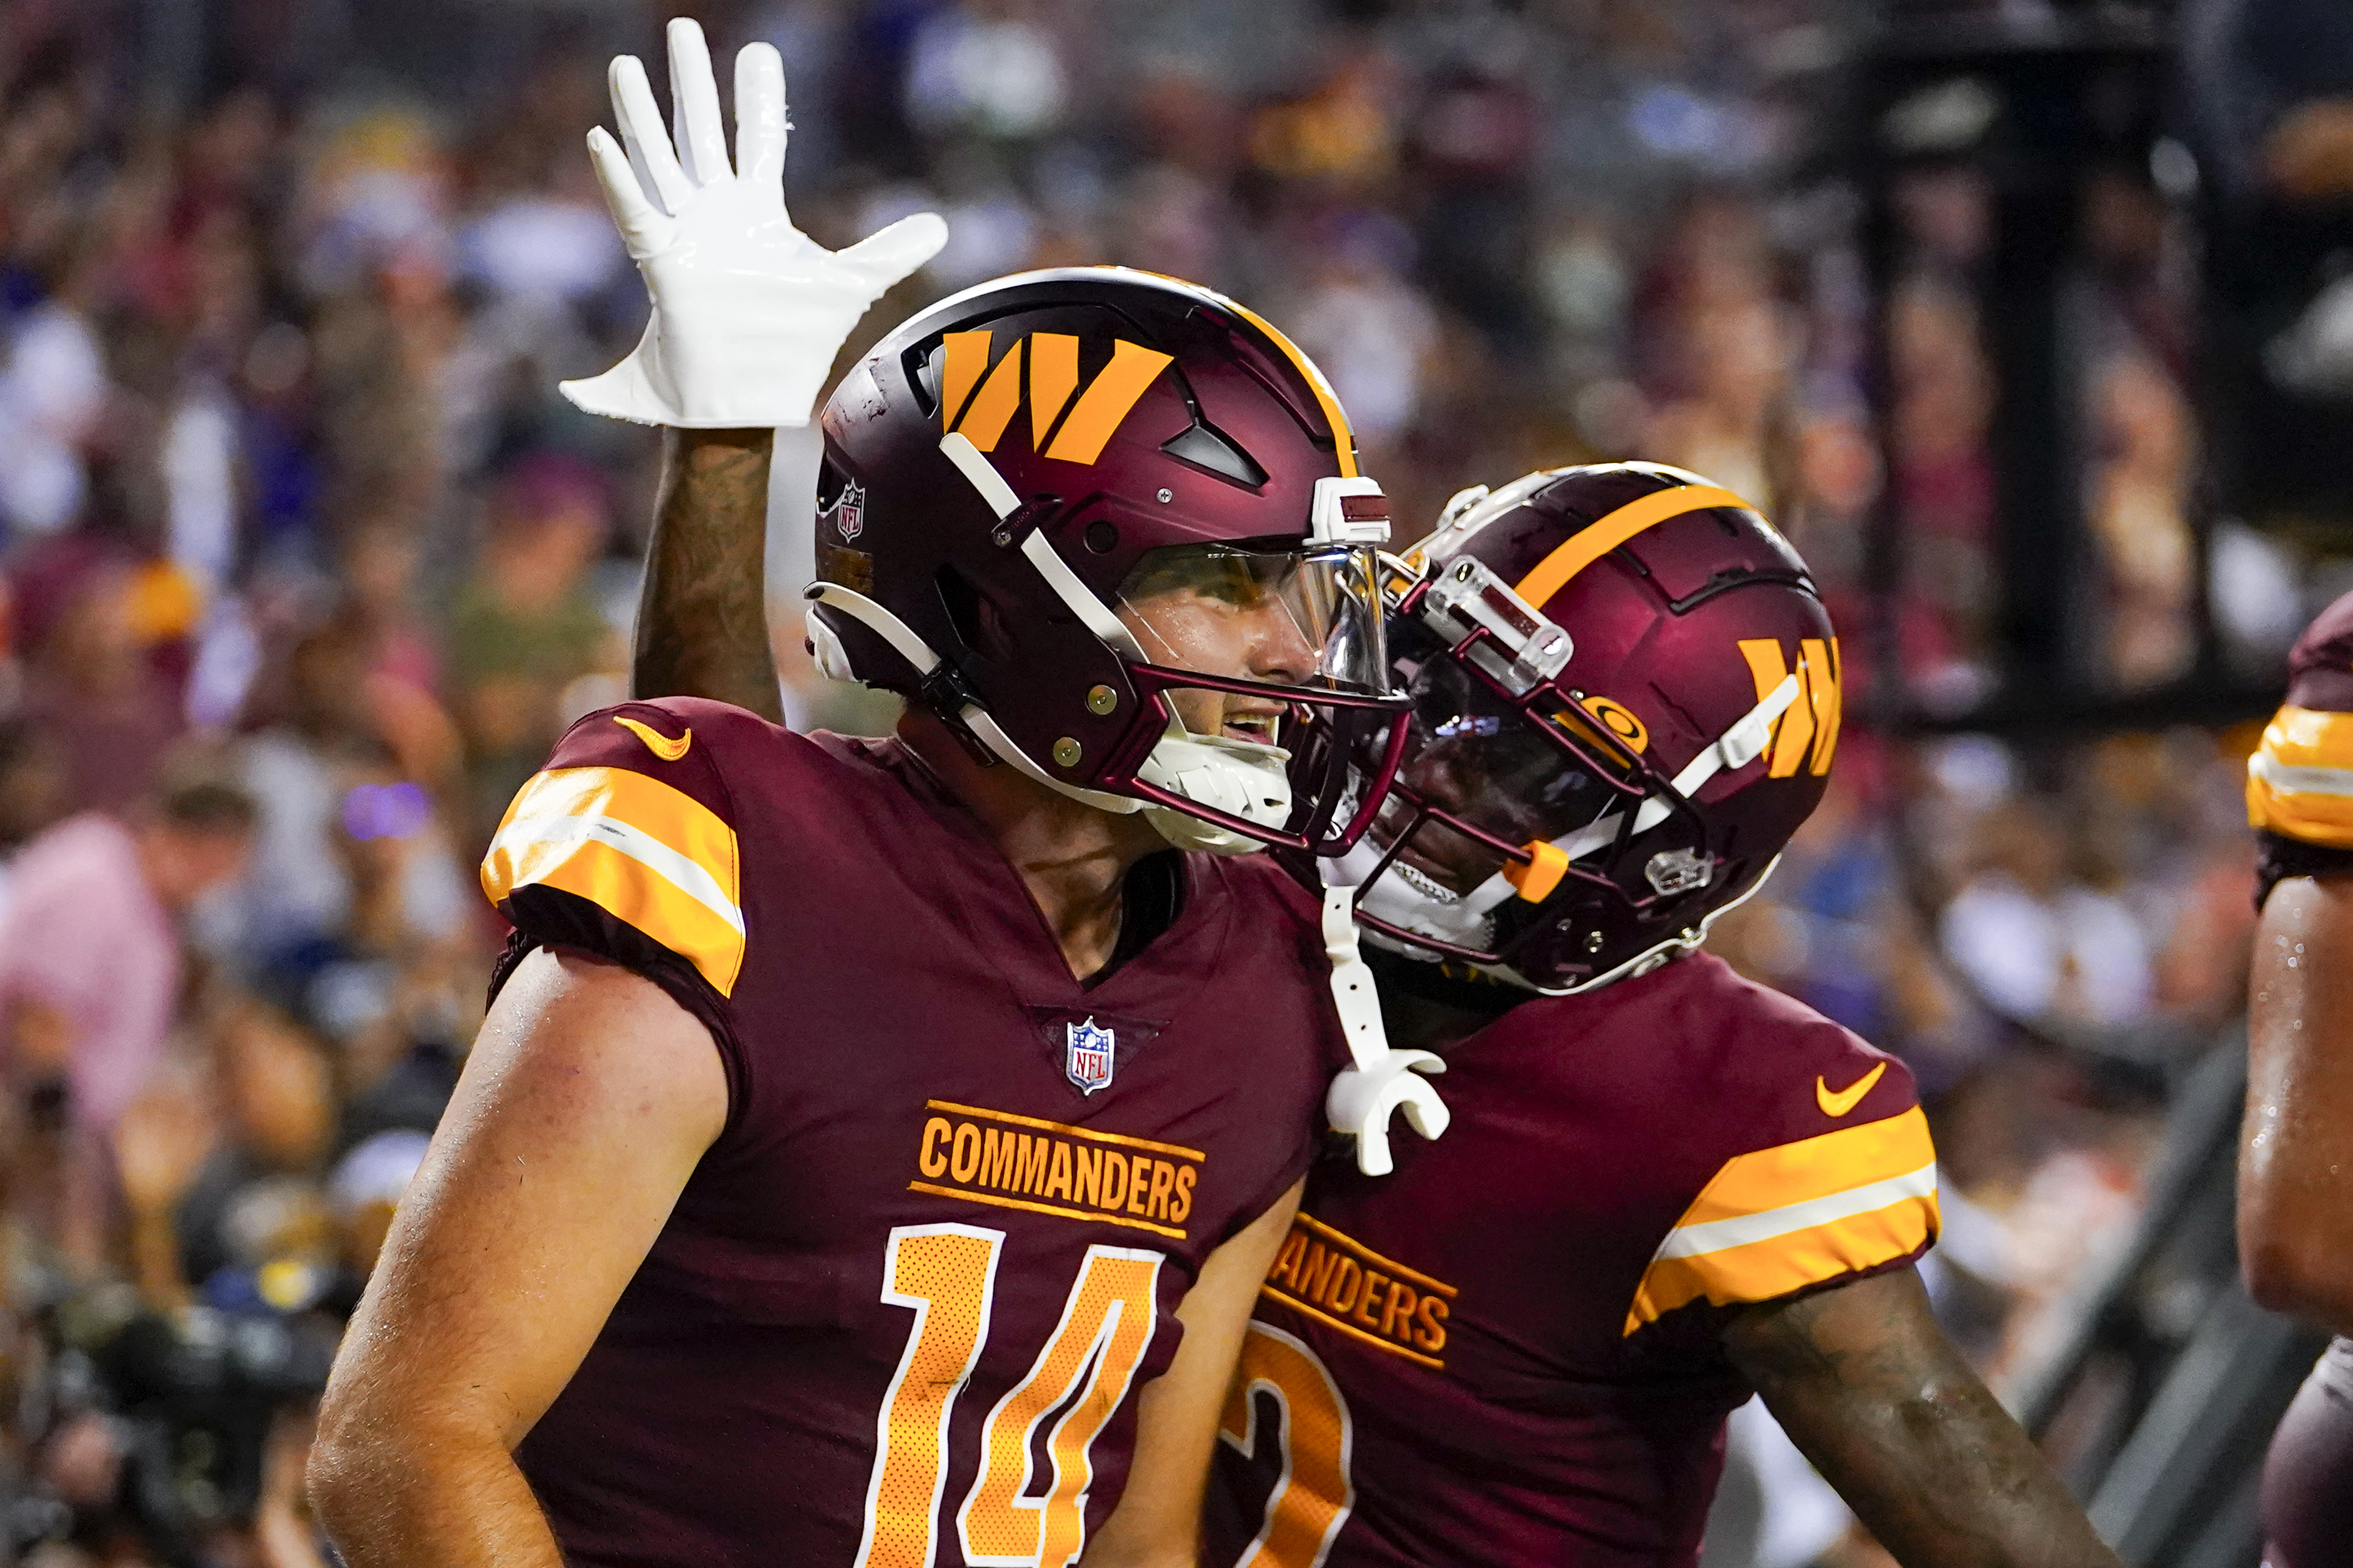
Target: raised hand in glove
749,311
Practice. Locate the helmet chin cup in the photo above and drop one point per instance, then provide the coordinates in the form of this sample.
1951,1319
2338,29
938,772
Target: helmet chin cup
1239,778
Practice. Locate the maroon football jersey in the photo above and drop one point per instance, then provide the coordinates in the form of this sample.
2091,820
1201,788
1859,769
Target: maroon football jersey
902,1308
1508,1351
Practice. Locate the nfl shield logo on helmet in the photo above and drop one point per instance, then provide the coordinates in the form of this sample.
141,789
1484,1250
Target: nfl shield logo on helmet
1089,1061
850,511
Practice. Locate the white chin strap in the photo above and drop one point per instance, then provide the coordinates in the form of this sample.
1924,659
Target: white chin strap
1404,896
1380,1081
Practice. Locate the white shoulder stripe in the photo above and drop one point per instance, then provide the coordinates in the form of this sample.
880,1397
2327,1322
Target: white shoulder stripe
2291,780
1715,1235
640,845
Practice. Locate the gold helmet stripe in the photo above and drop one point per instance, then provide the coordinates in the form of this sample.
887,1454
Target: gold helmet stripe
1343,435
1597,540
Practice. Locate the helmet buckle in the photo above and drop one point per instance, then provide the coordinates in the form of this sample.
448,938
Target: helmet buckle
1673,871
1519,648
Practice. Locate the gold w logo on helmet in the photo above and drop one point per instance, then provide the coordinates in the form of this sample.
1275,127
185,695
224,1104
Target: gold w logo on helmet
1811,724
981,416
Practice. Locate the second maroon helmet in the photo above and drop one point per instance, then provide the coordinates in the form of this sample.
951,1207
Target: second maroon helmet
1110,526
1625,700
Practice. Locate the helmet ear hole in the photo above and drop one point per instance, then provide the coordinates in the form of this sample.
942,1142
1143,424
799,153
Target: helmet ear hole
922,365
980,623
1204,446
831,480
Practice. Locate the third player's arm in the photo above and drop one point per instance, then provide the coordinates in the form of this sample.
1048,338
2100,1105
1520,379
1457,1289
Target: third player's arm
2295,1229
1869,1387
1158,1519
702,619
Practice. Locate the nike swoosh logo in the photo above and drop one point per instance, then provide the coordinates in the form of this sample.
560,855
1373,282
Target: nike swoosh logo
660,745
1838,1102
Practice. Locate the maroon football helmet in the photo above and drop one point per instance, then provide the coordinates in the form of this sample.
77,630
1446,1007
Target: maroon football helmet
1110,527
1625,700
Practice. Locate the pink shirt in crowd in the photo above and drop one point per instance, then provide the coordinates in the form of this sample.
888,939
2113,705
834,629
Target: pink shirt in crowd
82,933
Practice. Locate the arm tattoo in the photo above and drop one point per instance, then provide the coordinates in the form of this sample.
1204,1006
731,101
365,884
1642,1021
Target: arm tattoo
702,623
1867,1386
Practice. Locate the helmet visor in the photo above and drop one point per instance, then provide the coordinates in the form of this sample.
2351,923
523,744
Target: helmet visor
1303,624
1474,756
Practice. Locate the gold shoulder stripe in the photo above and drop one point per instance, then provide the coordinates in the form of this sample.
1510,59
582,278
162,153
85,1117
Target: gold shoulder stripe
1780,1219
1833,1162
1764,1270
2300,780
645,853
1590,543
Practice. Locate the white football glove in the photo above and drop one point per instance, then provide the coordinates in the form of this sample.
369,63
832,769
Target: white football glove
749,311
1383,1080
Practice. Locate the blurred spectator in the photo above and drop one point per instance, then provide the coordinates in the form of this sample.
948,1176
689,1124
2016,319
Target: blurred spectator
89,936
525,626
96,619
1367,328
2034,937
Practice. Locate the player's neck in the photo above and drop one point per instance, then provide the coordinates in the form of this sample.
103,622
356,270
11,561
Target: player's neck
1073,857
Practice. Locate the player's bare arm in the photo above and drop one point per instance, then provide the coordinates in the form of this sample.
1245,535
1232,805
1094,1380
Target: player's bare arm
585,1105
2295,1230
1872,1391
703,626
1157,1522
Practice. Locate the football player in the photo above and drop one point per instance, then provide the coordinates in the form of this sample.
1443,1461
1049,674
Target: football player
873,1148
1664,1186
2295,1222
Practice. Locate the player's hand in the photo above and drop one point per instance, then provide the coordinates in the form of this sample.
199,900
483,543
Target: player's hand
749,311
1383,1082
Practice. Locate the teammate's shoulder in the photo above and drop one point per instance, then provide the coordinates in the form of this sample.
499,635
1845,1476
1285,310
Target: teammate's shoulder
1818,1159
2320,665
1737,1065
667,737
2300,778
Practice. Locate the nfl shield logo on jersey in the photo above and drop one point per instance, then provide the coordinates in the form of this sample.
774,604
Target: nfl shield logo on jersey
1090,1064
850,511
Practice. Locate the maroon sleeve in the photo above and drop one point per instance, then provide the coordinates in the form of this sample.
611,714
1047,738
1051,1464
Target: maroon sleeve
624,846
1827,1172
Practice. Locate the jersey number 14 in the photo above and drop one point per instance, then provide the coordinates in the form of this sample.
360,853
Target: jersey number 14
947,1273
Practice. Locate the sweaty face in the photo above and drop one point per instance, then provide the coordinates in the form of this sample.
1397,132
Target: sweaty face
1476,757
1274,617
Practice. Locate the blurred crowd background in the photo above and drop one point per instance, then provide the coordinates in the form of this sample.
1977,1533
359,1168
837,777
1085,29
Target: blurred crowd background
304,563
